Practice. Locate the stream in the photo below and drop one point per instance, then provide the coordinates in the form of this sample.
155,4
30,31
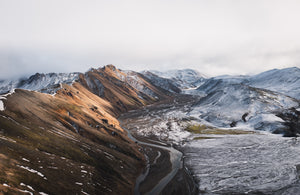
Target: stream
175,159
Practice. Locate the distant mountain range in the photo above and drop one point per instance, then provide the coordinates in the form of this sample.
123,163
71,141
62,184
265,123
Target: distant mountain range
285,81
247,102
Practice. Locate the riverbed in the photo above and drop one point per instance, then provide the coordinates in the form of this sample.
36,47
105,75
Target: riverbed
245,164
254,163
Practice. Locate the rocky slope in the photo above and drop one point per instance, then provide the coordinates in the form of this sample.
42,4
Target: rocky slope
71,142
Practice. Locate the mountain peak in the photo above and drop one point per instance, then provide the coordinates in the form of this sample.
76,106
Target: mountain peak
294,68
109,67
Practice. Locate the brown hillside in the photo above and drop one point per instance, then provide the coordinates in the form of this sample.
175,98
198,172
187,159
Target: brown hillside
71,142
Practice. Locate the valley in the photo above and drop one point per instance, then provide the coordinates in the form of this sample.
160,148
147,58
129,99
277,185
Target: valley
178,179
221,161
113,131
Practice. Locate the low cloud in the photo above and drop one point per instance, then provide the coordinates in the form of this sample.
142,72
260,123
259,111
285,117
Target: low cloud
214,37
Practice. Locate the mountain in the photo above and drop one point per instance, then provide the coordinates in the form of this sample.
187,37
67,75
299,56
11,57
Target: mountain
186,78
249,102
68,139
286,81
230,105
46,83
59,132
164,83
127,89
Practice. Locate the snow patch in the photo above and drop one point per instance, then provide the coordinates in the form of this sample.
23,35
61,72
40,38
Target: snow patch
28,186
271,118
83,192
7,139
32,171
24,159
26,191
1,105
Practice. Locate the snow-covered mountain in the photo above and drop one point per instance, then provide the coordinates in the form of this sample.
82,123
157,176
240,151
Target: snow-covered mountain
251,102
286,81
186,78
233,104
46,83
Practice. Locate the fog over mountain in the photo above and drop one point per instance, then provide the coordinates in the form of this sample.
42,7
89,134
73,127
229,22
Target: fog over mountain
213,37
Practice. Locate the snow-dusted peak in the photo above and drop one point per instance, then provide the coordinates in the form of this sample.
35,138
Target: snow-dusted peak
233,78
226,104
186,78
286,74
180,74
46,83
251,101
285,81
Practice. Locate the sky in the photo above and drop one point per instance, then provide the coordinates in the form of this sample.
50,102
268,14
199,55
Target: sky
214,37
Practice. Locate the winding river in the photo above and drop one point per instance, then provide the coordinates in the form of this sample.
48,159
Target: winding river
175,159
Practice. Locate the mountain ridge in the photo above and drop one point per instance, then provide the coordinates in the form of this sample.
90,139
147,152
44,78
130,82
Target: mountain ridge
71,141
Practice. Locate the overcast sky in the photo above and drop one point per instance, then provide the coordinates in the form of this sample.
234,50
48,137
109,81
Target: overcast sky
213,36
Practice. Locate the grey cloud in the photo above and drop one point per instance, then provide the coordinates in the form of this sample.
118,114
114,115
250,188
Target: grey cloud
215,37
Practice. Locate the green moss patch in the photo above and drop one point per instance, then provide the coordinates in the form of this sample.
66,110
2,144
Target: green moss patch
203,129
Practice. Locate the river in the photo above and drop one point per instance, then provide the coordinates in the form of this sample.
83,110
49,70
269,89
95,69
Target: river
175,159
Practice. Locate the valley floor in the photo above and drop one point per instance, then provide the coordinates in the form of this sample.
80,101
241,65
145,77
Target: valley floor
221,161
165,172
